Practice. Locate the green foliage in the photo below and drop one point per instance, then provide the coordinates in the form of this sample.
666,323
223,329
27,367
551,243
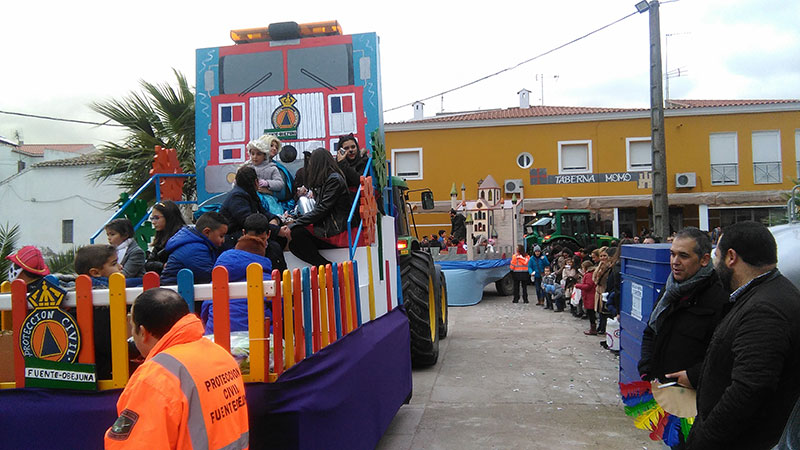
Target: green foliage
8,243
63,262
134,212
161,114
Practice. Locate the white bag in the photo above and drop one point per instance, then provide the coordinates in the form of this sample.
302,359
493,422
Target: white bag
575,297
612,334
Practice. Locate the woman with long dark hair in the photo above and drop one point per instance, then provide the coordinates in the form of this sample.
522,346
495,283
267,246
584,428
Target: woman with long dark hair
242,201
166,219
326,225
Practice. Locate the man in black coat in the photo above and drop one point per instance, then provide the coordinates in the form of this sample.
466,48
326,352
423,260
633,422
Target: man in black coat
751,373
458,224
686,313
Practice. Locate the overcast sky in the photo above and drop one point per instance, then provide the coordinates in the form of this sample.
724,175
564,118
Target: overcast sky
58,57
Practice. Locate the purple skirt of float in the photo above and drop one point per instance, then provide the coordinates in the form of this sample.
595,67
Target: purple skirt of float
344,396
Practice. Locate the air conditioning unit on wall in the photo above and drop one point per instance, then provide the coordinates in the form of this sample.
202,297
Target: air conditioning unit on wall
685,180
513,186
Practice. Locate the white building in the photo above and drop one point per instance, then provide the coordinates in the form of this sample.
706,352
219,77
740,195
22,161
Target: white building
55,203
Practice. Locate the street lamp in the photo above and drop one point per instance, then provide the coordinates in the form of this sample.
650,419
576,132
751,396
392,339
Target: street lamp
642,6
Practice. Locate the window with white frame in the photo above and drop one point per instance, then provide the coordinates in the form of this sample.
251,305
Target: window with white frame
766,156
407,163
575,157
724,152
524,160
797,151
640,154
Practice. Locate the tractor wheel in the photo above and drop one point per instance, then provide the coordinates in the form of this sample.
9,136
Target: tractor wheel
505,285
442,305
566,243
416,270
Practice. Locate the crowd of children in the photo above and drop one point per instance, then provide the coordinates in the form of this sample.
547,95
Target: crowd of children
588,281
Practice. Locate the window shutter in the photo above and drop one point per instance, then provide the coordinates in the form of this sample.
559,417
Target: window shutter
574,157
641,154
723,148
766,146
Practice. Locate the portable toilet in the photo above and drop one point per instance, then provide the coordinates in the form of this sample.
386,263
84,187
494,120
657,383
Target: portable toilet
645,269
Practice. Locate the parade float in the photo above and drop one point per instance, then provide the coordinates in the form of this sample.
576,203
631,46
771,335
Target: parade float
334,365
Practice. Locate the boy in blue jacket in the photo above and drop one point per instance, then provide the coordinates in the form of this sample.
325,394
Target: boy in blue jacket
195,248
250,248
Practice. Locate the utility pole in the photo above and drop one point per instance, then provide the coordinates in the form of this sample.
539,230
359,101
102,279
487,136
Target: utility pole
660,199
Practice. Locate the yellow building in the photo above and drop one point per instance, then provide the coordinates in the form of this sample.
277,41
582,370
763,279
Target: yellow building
726,160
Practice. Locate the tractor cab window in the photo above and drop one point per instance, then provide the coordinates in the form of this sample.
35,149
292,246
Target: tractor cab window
543,226
580,224
566,225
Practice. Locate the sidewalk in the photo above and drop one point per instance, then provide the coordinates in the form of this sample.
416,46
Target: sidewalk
520,377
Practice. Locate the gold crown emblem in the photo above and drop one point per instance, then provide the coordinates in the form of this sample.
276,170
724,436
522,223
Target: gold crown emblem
287,100
47,295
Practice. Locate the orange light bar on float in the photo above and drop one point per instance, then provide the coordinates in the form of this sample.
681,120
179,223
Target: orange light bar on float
286,30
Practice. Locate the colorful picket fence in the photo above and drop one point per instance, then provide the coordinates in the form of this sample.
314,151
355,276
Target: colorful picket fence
312,307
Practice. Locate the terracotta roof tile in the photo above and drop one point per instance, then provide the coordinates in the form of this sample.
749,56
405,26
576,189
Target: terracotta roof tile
82,160
723,103
533,111
551,111
38,149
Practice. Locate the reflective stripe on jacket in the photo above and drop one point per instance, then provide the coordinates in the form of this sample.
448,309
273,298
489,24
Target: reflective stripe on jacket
188,394
519,263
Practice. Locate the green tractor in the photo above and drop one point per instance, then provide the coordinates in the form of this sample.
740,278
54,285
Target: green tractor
567,228
423,283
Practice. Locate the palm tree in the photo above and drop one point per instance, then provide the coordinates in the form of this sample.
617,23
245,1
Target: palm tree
161,114
8,243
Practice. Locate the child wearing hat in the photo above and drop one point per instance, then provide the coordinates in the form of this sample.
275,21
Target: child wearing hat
27,265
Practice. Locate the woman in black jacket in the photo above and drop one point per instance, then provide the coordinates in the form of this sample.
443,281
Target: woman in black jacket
326,225
242,201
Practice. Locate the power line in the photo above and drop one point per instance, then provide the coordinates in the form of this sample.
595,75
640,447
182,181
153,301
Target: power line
59,119
516,65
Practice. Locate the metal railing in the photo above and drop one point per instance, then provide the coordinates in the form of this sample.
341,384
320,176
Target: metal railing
154,179
352,244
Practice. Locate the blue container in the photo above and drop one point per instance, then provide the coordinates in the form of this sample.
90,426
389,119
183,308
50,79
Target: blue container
645,269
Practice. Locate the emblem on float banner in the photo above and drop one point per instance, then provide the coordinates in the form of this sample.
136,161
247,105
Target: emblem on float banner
285,118
50,341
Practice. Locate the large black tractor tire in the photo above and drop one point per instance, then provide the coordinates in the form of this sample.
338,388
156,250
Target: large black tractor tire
505,285
441,302
566,243
416,277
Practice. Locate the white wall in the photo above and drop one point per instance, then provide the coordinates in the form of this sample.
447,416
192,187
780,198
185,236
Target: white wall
39,198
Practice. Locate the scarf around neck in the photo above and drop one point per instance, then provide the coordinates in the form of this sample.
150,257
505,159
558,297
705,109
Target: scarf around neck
674,291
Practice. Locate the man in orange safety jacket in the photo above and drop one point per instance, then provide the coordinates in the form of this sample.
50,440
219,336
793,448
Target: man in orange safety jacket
188,394
519,273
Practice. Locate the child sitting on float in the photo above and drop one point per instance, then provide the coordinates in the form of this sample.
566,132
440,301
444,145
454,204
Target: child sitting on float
130,256
262,152
250,248
28,265
99,261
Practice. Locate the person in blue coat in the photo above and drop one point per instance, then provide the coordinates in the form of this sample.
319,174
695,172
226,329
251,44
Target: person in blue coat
195,248
536,266
250,248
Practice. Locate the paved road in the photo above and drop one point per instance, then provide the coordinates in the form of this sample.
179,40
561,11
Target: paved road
516,376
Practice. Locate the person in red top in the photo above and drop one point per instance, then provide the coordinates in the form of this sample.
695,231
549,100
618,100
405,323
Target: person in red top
189,392
519,273
588,288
